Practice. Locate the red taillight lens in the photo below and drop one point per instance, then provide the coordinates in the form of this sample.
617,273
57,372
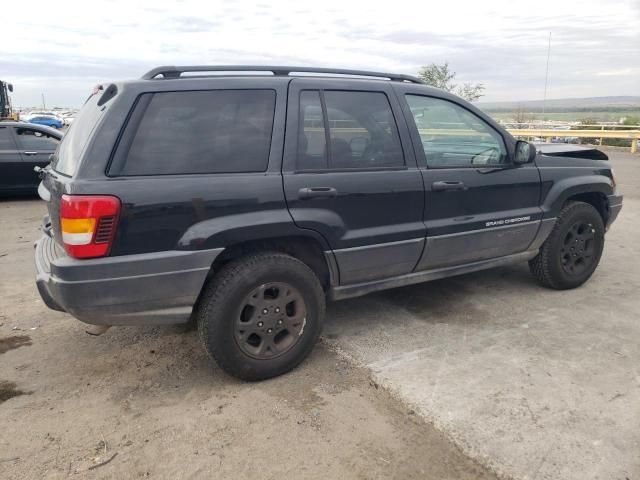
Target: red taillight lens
88,224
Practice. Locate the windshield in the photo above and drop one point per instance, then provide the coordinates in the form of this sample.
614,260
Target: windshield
73,143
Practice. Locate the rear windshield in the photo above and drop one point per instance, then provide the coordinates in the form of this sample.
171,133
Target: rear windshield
75,139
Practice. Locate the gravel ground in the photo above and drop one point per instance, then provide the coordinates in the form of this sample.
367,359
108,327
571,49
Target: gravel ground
69,402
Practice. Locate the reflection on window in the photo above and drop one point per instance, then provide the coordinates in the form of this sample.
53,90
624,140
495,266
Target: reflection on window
312,145
35,140
6,142
454,137
362,130
203,132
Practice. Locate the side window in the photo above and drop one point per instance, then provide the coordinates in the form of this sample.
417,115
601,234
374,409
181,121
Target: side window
29,139
312,143
454,137
362,130
212,131
6,142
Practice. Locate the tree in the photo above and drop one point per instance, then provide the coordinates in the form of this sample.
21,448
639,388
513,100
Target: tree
439,76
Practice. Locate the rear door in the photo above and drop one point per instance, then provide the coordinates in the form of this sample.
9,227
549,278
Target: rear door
11,174
36,146
478,203
349,174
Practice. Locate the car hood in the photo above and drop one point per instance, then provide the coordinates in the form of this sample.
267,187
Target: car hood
572,151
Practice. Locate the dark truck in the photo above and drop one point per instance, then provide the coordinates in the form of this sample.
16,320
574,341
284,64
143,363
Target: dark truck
6,111
242,201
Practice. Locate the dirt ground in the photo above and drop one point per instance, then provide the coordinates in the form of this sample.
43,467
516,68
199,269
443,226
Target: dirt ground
149,401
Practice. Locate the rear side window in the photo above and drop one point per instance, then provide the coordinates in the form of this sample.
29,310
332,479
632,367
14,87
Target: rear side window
30,139
217,131
362,130
76,138
359,126
6,142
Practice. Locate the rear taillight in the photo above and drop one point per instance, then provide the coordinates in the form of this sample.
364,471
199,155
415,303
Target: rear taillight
88,224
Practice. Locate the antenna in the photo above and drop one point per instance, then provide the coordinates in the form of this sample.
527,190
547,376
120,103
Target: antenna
546,79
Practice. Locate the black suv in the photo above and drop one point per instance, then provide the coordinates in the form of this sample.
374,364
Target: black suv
243,201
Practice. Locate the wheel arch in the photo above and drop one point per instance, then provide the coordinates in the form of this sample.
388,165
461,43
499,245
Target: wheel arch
597,200
592,190
305,248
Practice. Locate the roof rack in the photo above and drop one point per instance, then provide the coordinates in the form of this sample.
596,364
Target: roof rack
176,72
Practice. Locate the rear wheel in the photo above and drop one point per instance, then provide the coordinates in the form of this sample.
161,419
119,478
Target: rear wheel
572,252
261,315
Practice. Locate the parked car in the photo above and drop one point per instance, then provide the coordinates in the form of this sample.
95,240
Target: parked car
53,122
68,118
243,203
22,148
37,113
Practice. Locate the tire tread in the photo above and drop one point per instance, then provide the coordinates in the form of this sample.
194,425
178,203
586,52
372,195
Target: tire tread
540,265
214,295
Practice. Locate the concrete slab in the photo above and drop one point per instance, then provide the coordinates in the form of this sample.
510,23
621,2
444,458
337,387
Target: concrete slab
535,383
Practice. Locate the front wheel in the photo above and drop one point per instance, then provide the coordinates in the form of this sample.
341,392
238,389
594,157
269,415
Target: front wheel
572,251
261,315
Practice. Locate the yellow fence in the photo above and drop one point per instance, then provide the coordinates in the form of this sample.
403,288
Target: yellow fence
633,135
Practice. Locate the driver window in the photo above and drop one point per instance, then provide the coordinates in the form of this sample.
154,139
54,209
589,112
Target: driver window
362,131
35,140
452,136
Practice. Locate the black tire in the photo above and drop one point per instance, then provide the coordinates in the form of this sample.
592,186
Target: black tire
223,307
566,260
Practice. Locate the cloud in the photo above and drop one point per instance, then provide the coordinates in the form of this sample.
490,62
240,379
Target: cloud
192,24
65,48
623,72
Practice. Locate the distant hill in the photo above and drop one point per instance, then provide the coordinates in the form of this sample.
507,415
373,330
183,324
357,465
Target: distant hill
592,104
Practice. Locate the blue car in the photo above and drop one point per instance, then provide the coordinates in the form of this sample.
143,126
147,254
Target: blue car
52,122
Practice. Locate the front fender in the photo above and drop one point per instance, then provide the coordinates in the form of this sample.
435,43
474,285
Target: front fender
561,190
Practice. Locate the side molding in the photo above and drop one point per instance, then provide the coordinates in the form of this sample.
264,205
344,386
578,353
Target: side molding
356,290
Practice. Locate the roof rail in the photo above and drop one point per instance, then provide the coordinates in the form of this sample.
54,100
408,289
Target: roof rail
176,72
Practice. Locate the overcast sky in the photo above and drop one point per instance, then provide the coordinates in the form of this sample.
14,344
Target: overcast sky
63,48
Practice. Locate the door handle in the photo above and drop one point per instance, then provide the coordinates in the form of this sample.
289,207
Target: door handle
444,186
317,192
30,153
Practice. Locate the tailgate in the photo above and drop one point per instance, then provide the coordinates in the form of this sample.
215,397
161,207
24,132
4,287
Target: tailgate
51,189
59,175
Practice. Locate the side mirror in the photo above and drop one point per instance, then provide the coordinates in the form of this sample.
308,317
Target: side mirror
10,87
525,153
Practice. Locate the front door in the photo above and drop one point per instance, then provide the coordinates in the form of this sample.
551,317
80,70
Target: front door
478,203
349,173
11,175
36,146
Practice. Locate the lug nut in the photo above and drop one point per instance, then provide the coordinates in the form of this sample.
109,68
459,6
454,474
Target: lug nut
265,311
277,309
270,330
260,324
279,322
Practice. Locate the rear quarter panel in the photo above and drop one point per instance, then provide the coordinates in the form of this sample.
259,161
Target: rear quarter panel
193,211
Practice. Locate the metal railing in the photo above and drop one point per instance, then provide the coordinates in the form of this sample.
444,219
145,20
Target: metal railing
633,135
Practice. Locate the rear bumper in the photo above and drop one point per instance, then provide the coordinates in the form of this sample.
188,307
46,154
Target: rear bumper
615,205
145,289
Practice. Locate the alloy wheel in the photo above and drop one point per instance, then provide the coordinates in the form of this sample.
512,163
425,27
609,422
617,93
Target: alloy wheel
270,321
